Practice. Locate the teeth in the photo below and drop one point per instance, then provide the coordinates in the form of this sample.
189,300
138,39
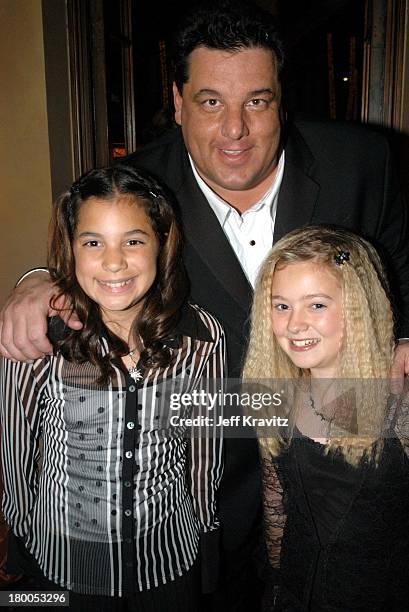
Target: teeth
116,284
232,152
302,343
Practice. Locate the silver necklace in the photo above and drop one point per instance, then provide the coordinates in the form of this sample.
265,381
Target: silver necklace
134,371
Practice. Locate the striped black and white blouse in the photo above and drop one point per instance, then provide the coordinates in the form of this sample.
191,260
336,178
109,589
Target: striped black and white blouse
106,498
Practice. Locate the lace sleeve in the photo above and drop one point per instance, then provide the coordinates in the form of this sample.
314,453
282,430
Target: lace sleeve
274,517
401,422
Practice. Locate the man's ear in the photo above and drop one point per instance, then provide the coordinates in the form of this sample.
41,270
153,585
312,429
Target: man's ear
178,102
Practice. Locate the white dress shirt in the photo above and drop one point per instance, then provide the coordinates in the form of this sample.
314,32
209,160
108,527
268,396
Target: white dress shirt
251,233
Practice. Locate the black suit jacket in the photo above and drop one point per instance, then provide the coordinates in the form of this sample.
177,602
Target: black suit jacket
334,174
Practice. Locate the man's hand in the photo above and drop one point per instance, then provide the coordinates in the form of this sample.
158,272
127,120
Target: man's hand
23,319
400,367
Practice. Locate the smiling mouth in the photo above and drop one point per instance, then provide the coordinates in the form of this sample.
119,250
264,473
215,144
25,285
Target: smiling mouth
115,286
306,343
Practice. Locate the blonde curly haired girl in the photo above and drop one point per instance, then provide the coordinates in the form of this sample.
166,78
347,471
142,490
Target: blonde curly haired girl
336,480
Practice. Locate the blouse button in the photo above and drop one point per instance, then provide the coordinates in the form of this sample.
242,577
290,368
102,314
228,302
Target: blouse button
128,512
131,388
128,454
130,425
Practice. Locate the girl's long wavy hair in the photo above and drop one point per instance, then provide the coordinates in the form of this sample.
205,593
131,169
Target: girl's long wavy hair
161,309
368,341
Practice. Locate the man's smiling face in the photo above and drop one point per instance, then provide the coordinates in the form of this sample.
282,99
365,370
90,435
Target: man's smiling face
229,114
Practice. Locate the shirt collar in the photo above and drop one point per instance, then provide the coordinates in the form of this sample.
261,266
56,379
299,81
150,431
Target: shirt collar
222,209
190,324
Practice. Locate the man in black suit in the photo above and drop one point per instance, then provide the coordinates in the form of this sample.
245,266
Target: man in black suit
243,179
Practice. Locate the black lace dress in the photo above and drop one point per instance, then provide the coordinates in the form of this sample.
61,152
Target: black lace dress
338,534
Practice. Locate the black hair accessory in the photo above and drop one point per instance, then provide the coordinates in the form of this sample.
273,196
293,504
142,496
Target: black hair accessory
341,257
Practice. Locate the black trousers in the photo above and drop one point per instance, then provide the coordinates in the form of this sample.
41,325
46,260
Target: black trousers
243,577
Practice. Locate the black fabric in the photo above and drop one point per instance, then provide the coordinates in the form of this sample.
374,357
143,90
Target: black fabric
19,559
210,560
329,483
362,562
242,577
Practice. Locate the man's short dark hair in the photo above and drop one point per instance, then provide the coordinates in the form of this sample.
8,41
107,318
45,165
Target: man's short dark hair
228,25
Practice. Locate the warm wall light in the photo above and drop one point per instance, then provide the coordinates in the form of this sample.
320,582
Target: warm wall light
118,150
345,79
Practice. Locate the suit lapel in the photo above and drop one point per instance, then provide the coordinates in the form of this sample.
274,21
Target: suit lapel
204,235
299,191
